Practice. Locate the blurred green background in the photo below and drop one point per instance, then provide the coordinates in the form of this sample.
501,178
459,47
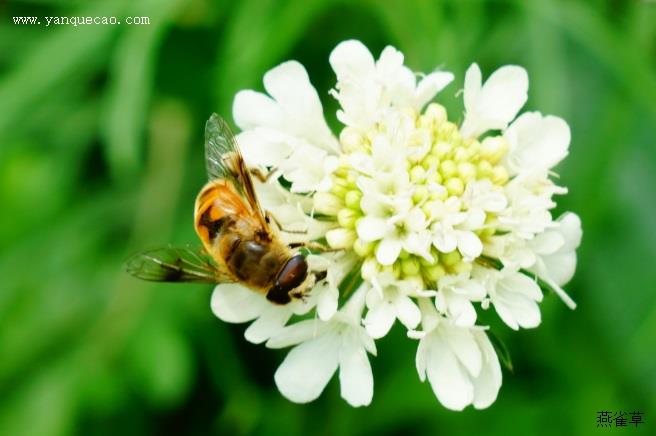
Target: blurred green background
101,155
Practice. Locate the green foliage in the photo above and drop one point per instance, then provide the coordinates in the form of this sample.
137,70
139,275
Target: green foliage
100,155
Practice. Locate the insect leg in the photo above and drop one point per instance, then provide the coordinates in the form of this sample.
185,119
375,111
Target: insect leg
311,245
256,172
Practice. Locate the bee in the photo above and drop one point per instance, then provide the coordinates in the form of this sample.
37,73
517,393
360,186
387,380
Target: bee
240,244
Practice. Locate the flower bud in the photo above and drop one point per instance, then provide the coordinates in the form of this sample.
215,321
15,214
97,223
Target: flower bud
352,199
493,148
442,149
346,218
350,138
448,169
340,238
410,266
363,249
327,203
499,175
455,186
434,272
437,112
467,171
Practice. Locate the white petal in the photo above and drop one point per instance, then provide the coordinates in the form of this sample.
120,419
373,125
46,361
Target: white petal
297,333
462,311
537,143
420,358
498,101
388,251
547,242
235,303
379,320
473,84
263,147
290,86
468,244
472,289
560,267
415,221
371,228
327,300
486,386
306,370
445,241
463,345
431,85
514,307
272,321
355,377
450,383
520,284
351,58
253,109
570,227
407,312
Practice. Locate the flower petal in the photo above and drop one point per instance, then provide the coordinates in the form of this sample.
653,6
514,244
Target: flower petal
232,302
270,322
450,383
355,377
429,86
488,382
379,319
463,345
290,86
296,333
407,312
263,147
351,58
308,367
371,228
253,109
498,100
388,251
468,244
328,297
537,142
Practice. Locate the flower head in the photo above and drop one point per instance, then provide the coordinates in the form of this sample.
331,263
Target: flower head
422,220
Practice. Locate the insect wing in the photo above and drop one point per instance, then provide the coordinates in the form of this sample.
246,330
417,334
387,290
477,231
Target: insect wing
176,264
224,161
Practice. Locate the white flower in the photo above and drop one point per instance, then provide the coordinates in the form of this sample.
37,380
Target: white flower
453,229
421,220
365,88
326,293
556,262
537,143
459,362
287,129
455,297
388,300
494,104
514,295
234,303
323,348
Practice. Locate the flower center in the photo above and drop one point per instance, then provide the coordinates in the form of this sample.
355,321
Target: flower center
412,178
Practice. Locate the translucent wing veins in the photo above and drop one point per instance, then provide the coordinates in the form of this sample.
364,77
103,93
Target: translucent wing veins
176,264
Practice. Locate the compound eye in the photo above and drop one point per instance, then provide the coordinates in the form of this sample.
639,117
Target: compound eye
293,273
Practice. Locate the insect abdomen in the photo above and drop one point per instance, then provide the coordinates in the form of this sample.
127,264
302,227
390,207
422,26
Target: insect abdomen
253,262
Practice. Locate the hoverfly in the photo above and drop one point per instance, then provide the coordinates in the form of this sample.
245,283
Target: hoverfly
239,243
